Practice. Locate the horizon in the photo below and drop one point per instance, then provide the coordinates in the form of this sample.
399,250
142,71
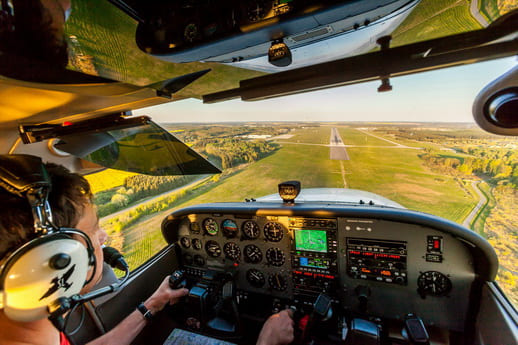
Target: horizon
472,124
444,96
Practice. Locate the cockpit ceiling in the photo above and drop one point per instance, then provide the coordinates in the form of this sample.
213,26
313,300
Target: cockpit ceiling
34,103
102,46
118,57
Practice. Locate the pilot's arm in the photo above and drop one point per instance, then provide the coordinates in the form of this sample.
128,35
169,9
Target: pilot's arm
130,327
278,329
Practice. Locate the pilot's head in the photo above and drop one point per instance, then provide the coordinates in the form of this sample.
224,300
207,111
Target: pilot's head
35,29
70,200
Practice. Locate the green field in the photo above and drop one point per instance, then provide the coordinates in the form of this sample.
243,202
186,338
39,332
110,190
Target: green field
352,136
489,9
393,172
309,135
121,59
433,19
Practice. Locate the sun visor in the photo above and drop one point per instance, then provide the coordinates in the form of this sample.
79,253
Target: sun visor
146,149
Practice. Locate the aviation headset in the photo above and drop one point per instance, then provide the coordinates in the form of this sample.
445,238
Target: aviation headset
51,265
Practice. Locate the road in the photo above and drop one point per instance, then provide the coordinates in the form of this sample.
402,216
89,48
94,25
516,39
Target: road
481,203
473,8
337,149
190,185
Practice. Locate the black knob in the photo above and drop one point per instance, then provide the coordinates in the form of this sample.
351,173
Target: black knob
176,278
399,280
59,261
363,292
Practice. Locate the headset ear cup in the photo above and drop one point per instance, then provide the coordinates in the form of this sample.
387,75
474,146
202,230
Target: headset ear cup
89,247
47,268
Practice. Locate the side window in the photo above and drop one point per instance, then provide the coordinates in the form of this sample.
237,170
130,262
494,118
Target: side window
131,208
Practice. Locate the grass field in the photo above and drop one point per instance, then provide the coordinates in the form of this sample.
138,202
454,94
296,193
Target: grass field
489,9
121,59
395,173
352,136
310,135
433,19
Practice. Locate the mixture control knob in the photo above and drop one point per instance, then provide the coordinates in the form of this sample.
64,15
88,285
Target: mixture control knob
399,280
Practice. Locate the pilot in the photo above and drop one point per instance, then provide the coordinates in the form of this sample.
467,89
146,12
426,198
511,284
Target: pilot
71,202
32,30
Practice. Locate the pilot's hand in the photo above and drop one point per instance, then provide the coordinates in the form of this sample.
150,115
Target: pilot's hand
278,329
164,295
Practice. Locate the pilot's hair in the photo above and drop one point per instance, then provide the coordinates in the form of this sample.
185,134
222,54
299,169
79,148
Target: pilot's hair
33,36
69,194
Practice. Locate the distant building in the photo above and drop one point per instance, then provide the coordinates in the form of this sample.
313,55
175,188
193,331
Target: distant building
255,136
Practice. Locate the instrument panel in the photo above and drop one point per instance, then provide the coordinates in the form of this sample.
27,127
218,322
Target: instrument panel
380,267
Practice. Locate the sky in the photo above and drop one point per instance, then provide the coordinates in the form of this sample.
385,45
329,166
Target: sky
438,96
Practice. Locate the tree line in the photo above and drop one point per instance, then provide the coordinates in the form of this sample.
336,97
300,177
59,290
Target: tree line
134,189
498,164
232,152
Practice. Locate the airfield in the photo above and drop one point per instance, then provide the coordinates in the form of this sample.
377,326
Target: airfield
318,156
362,157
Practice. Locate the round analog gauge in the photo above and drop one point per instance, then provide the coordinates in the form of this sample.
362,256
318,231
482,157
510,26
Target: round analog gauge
256,10
251,229
196,243
433,283
253,254
199,260
275,256
277,282
273,232
195,228
232,251
185,242
190,32
229,228
255,277
213,249
210,226
187,259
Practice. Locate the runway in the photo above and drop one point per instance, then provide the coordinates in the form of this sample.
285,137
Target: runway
337,150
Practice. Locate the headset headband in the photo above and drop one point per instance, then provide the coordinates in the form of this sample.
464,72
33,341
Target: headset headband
26,177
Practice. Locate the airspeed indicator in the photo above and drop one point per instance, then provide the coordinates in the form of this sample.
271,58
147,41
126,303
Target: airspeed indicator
210,226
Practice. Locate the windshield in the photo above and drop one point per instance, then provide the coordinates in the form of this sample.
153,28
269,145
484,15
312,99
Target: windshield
416,146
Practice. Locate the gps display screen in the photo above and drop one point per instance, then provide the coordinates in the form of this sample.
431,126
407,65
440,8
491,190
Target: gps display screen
311,240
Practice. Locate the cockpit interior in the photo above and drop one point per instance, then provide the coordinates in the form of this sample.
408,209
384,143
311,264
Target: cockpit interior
352,267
